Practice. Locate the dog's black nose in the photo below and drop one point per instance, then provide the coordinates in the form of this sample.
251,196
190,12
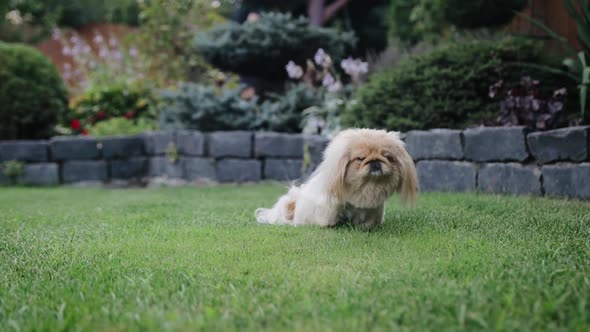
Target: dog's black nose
374,166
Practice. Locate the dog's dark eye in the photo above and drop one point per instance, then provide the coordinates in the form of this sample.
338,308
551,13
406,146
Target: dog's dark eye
390,158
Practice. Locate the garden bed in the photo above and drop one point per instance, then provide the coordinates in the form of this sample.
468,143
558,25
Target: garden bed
194,258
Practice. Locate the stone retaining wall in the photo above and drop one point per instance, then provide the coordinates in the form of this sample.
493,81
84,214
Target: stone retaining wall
505,160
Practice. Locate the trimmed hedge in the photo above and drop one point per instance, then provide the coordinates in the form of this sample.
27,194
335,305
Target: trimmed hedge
445,88
205,108
33,96
264,47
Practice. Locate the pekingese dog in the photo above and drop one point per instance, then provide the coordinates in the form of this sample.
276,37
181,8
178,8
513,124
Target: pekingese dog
360,170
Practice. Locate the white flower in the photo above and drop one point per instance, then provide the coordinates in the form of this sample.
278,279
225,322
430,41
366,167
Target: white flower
294,71
252,17
103,52
66,51
14,17
354,67
98,38
215,4
328,80
56,34
117,56
335,87
331,83
321,58
560,93
133,52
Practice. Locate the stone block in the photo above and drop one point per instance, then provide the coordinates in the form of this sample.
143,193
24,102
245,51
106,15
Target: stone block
82,171
156,143
230,144
453,176
190,143
283,169
316,146
435,144
74,148
133,168
122,147
30,151
198,168
163,167
239,170
495,144
567,180
270,144
43,174
509,178
560,144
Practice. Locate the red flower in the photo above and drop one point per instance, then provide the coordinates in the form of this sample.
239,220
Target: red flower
130,115
75,124
85,132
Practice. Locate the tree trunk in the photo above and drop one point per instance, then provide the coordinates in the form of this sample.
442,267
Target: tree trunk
315,12
320,14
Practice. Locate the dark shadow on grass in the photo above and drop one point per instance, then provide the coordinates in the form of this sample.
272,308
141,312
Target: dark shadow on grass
398,225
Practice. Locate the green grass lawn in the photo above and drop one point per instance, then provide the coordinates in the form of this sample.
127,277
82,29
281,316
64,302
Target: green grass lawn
194,258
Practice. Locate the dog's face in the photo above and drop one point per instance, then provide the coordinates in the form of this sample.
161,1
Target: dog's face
368,166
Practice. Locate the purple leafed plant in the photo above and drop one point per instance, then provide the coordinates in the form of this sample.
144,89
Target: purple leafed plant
526,104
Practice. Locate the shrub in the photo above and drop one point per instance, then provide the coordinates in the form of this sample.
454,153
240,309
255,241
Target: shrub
33,20
205,108
284,112
263,48
121,126
105,102
445,88
33,96
414,20
75,13
12,169
172,57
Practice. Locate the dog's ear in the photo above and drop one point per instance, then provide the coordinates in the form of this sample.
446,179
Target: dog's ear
409,179
335,163
336,177
408,187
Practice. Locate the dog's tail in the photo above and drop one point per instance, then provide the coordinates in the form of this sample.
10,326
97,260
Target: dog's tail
282,212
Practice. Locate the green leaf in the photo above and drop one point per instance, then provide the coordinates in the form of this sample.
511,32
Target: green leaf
545,68
582,58
585,10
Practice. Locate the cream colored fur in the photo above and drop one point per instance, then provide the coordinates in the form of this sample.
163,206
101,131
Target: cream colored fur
345,188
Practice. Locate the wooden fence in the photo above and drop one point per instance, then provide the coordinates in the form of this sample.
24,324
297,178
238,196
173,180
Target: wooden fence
554,14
